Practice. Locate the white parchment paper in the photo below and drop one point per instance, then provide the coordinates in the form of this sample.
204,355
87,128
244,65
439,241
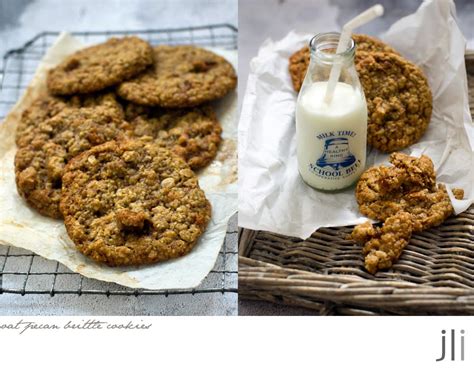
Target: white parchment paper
273,197
23,227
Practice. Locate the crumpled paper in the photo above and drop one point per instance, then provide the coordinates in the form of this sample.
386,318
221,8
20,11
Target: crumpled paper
23,227
273,197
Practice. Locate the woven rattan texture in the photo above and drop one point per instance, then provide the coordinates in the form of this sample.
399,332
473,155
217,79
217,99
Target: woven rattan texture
435,274
23,272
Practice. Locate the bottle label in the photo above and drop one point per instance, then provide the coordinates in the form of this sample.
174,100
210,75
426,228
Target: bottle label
336,161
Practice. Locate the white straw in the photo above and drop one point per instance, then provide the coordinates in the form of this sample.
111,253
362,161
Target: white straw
363,18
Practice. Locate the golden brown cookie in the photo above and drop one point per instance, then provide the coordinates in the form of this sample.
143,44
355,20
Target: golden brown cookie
299,61
193,133
384,245
132,203
39,163
407,198
97,67
409,186
399,100
46,106
181,76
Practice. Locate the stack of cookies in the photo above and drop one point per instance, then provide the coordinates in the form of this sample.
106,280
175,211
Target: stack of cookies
113,145
399,100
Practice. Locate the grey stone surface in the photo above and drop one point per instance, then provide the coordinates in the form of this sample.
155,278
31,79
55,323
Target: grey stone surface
260,20
20,20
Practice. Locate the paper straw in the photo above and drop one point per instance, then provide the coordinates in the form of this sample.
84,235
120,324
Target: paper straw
363,18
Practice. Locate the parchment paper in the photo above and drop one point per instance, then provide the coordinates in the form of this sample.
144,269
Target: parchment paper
21,226
273,197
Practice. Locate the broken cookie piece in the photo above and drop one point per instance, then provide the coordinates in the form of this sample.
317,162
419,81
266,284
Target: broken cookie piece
409,185
407,198
384,245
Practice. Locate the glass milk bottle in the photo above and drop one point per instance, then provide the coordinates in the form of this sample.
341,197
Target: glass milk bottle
331,137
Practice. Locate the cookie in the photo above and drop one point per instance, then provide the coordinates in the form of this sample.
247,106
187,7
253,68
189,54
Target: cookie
132,203
42,108
97,67
107,99
181,76
39,163
384,245
46,106
407,198
299,61
408,186
371,44
193,133
399,100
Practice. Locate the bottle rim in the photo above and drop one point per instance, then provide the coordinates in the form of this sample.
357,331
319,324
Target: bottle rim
328,41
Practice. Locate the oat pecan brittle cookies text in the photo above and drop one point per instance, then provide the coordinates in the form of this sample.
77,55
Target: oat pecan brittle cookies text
181,76
100,66
39,163
193,133
132,203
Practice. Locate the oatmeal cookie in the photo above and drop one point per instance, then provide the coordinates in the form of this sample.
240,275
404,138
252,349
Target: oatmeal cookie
132,203
182,76
399,100
407,198
105,98
39,163
299,61
194,133
410,186
384,245
97,67
46,106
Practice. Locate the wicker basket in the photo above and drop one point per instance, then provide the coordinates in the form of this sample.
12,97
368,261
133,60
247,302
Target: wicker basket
435,274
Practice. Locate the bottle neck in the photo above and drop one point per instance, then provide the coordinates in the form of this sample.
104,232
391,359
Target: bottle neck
323,48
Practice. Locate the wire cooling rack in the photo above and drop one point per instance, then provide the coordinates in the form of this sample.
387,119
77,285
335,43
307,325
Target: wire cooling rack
23,272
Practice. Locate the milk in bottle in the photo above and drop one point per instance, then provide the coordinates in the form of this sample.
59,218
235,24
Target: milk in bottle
331,137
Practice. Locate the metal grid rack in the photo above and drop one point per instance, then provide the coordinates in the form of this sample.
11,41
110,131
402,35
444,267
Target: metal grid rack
23,272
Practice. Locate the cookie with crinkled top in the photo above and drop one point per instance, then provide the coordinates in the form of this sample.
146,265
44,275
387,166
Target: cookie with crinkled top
399,100
46,106
409,186
299,61
193,133
40,162
181,76
132,203
42,108
100,66
406,197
